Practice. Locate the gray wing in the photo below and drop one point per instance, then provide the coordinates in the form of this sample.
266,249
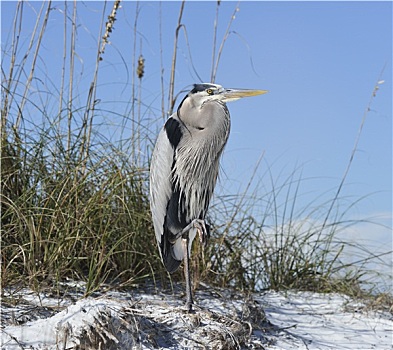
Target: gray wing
161,192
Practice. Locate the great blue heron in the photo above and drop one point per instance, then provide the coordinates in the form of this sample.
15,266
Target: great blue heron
184,169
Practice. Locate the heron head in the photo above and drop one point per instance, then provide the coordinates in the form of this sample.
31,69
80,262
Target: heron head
214,92
204,106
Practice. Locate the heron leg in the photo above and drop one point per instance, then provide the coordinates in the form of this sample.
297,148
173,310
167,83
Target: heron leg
187,274
184,234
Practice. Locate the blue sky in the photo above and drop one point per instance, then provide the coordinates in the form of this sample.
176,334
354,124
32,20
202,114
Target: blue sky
320,62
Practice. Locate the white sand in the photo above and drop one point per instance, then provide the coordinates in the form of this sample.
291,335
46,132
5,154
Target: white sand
295,320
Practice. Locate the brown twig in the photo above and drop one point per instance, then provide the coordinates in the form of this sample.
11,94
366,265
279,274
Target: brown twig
171,100
35,56
220,50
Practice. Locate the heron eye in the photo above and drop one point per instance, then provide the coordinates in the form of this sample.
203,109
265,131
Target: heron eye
209,91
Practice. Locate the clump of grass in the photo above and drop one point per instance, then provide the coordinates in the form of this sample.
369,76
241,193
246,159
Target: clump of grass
58,221
262,242
73,204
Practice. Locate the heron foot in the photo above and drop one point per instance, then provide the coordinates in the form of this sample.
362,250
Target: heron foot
203,230
188,307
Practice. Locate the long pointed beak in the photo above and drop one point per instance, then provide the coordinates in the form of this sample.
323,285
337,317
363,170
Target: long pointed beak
235,94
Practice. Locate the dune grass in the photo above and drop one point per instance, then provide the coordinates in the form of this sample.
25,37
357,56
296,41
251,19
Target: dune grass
271,242
74,202
62,218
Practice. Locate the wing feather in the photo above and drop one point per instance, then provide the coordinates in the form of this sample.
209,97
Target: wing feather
161,192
